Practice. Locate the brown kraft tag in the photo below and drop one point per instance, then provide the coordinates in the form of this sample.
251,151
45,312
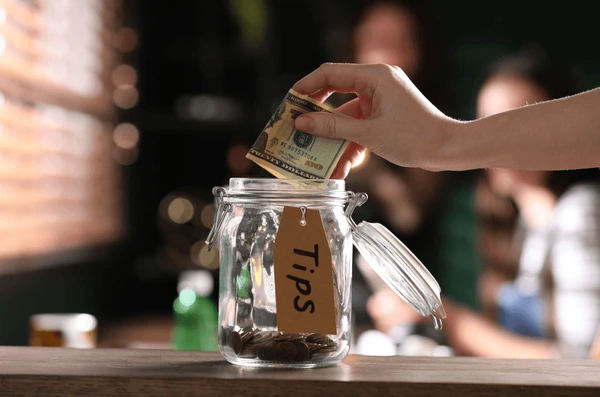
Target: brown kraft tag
303,274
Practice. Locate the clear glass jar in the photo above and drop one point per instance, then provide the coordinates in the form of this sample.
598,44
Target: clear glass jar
246,222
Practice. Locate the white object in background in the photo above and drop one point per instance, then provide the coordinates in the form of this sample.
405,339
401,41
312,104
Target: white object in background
199,281
443,351
375,343
417,345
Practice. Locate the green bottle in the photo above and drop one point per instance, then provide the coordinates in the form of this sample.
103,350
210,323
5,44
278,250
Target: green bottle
195,313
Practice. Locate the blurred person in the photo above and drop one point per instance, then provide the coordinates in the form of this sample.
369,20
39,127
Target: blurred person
497,218
552,306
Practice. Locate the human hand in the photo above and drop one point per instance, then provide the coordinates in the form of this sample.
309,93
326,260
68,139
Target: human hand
390,116
388,310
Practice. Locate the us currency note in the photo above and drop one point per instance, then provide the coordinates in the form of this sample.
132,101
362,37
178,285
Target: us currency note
287,152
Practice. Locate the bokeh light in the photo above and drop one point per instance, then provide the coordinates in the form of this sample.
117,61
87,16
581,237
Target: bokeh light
207,215
125,39
236,158
201,256
125,96
180,210
124,74
126,136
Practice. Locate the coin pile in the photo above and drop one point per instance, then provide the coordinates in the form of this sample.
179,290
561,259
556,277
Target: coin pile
278,346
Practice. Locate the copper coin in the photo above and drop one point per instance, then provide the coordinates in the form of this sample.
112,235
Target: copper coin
234,341
303,352
295,337
249,334
325,349
313,346
286,351
267,352
259,337
286,337
248,351
317,338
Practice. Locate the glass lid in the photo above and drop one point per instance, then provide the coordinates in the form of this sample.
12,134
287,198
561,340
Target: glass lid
401,270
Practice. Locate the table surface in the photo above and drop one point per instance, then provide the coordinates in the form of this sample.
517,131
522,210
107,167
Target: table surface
44,371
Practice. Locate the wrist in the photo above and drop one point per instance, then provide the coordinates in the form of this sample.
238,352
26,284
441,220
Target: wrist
448,146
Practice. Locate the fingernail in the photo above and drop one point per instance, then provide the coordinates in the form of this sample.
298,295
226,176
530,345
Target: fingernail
305,123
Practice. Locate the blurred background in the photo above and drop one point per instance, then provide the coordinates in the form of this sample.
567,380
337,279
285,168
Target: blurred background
117,118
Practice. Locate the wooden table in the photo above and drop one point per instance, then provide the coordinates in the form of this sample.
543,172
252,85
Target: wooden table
26,371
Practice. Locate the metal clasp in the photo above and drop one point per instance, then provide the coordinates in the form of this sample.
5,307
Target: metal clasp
303,218
356,200
221,211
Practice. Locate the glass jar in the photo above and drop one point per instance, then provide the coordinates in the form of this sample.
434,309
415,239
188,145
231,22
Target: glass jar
247,219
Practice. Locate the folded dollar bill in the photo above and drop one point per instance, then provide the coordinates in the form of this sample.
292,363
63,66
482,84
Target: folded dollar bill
287,152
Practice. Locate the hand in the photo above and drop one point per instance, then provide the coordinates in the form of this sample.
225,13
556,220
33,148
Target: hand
390,116
388,310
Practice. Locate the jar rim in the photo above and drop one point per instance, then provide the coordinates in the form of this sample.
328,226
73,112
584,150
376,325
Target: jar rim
300,186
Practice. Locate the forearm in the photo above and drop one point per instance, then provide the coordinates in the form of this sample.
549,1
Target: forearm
472,335
559,134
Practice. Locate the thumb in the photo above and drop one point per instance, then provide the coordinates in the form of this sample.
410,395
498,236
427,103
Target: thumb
330,125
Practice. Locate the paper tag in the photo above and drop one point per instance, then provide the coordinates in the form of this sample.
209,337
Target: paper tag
303,274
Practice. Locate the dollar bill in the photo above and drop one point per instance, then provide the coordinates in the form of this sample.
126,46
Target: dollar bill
287,152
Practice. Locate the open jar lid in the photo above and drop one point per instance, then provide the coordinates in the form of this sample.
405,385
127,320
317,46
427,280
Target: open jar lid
401,270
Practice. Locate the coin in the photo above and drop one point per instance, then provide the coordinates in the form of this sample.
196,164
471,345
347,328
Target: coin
249,351
234,341
259,337
285,351
318,338
267,352
289,337
303,352
249,334
325,349
295,337
280,346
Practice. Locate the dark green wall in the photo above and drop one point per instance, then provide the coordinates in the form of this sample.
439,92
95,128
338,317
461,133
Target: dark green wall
478,32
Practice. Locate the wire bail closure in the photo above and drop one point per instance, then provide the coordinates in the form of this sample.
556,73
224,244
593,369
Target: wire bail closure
356,200
223,208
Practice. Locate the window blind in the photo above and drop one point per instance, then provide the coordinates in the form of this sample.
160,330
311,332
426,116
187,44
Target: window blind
59,185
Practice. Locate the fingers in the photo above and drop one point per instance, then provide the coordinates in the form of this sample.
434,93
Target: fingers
332,125
322,95
351,156
358,108
354,151
341,77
